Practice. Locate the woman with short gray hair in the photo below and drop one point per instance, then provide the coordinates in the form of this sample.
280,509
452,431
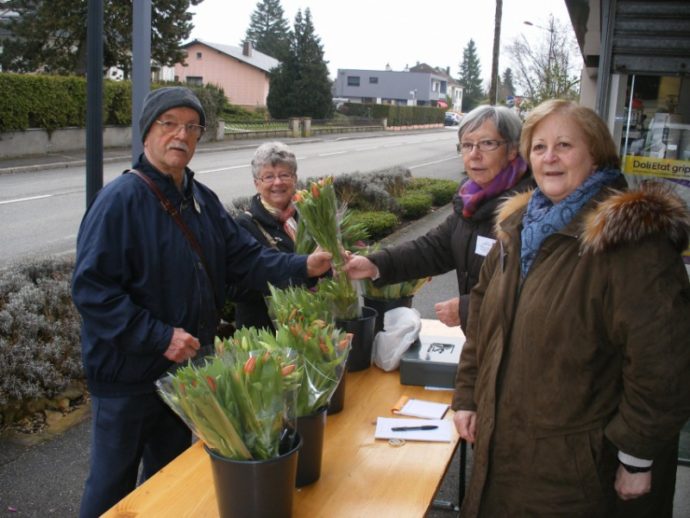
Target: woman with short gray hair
488,142
271,219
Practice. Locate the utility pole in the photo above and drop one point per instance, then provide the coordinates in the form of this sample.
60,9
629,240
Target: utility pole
94,100
141,67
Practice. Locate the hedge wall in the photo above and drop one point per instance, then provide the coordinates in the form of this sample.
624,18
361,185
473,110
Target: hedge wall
51,102
397,115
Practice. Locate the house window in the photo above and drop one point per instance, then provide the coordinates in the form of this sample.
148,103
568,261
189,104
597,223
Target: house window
373,80
195,80
198,55
352,80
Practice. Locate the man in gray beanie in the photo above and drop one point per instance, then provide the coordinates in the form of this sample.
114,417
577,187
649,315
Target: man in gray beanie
156,254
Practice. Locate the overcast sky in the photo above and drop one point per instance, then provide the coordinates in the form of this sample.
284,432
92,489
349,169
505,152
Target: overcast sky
369,34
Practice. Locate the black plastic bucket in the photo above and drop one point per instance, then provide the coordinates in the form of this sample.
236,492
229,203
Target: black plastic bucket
255,488
310,428
383,305
362,329
337,401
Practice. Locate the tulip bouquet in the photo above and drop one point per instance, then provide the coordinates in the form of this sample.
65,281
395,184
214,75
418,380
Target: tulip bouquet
398,290
240,401
391,291
318,212
304,323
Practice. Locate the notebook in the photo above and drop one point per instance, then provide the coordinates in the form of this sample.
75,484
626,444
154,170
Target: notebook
420,408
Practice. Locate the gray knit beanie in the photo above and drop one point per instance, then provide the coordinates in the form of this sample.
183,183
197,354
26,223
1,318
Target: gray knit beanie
163,99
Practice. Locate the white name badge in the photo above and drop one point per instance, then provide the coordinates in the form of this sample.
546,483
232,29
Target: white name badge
483,245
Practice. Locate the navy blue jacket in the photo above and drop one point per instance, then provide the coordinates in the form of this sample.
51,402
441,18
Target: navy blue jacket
136,276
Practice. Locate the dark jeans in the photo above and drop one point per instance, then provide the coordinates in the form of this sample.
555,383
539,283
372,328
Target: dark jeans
125,432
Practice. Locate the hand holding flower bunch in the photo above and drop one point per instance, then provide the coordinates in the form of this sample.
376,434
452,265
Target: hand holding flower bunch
318,211
237,402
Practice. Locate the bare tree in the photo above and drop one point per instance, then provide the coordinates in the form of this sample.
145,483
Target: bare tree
493,89
548,67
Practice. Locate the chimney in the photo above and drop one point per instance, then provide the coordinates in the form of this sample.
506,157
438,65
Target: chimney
247,48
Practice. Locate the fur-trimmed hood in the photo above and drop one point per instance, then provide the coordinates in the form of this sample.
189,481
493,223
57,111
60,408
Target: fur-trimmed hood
622,217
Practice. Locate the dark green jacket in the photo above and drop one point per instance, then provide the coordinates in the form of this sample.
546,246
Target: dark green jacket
587,355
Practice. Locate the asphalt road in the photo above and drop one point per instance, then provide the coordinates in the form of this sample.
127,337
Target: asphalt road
41,210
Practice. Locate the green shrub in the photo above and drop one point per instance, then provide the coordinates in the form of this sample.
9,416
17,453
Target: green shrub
441,191
51,102
39,331
415,205
378,224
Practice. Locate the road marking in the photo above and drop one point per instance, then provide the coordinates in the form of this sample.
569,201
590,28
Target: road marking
207,171
30,198
332,154
432,163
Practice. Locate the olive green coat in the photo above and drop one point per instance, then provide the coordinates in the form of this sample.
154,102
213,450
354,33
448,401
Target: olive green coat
587,355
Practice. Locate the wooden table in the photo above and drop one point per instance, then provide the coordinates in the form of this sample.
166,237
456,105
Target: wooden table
360,476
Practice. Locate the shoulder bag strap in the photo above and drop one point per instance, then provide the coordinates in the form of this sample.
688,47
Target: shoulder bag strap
177,218
271,240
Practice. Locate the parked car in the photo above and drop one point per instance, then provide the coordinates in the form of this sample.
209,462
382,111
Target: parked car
451,119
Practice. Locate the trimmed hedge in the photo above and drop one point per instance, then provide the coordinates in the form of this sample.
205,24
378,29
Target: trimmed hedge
51,102
415,205
378,224
397,115
441,191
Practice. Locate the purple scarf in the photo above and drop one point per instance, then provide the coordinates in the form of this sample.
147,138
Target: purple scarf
473,195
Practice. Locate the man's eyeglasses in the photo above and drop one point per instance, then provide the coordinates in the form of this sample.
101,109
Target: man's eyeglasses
482,145
169,127
284,177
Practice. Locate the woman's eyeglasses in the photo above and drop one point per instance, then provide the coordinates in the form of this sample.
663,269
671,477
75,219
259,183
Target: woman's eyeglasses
169,127
284,177
482,145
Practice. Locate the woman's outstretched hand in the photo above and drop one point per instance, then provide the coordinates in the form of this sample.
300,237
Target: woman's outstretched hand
359,267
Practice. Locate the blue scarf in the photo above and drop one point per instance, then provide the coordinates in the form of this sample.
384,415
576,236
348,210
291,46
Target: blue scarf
543,218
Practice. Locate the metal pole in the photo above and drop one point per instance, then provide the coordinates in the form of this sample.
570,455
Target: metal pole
141,67
608,17
94,100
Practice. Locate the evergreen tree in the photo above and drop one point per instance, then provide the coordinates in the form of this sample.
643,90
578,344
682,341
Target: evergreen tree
507,82
269,31
470,77
313,88
300,86
50,36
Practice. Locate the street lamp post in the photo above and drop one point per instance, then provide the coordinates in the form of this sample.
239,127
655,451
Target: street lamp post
551,87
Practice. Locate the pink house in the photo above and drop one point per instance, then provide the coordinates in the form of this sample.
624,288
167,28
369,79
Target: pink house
242,72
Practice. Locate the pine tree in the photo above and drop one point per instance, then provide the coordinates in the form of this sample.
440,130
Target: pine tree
313,88
470,77
50,36
507,82
269,31
300,86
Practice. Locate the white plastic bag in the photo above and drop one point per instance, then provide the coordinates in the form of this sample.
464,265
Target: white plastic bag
401,328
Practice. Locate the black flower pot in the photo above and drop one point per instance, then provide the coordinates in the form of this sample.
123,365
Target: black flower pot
242,486
310,428
383,305
337,400
362,329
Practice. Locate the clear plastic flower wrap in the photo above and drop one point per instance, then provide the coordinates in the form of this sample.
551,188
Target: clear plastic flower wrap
241,401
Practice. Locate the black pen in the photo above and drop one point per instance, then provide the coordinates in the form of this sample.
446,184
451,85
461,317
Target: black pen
414,428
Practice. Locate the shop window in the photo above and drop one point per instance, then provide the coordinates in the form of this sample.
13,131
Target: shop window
655,136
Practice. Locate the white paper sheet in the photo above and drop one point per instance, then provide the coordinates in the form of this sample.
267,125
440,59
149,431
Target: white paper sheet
442,433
